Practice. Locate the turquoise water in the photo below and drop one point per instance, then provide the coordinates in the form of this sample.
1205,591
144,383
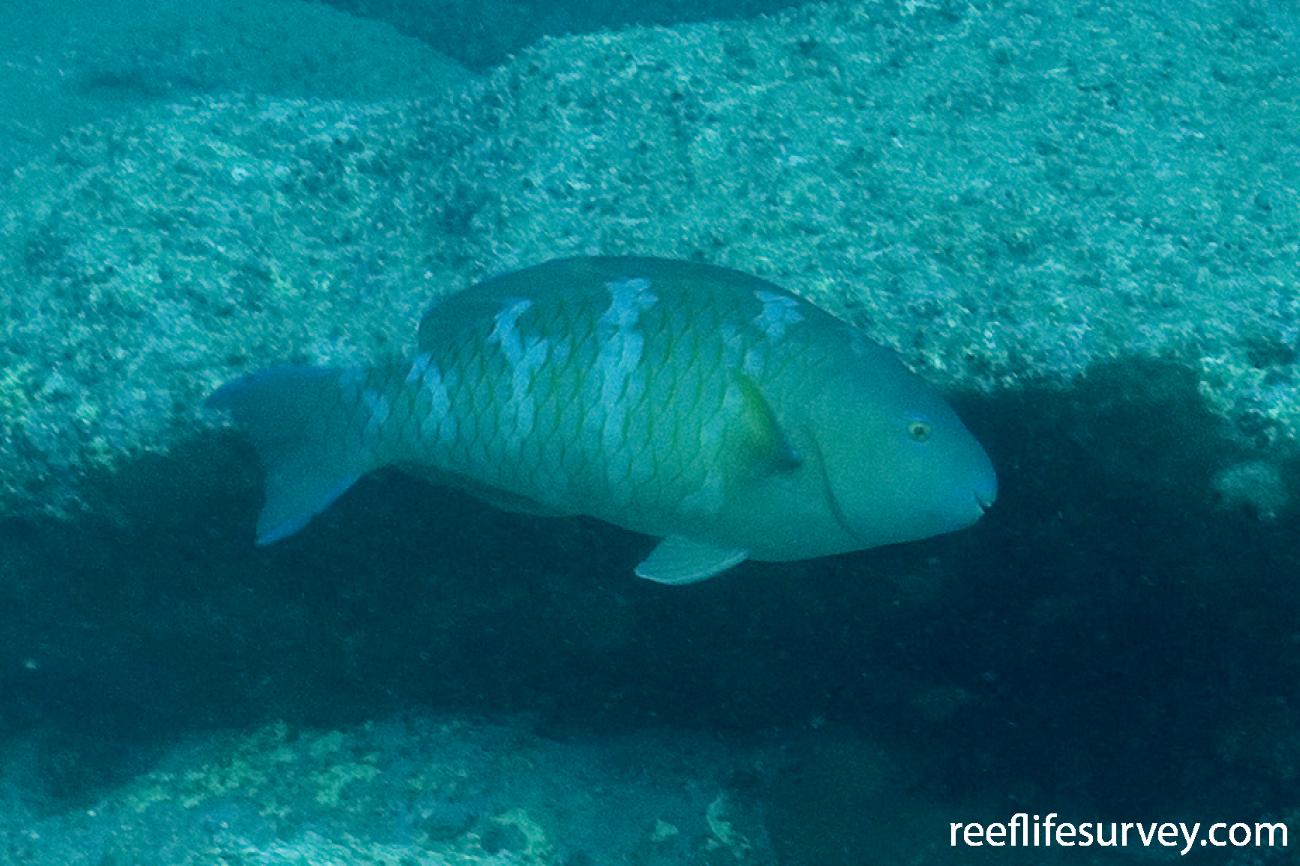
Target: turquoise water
1080,221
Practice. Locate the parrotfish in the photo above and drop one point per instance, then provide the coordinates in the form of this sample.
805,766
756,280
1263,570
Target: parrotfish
711,409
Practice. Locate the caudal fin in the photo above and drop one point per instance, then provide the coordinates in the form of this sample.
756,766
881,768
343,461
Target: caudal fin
308,427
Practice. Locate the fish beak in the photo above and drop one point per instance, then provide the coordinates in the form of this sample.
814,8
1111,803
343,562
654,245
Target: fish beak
986,488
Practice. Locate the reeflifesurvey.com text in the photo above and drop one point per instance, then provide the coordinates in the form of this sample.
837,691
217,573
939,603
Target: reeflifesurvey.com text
1024,830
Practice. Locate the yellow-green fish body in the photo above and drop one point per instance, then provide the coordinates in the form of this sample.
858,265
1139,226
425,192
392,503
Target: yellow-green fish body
685,401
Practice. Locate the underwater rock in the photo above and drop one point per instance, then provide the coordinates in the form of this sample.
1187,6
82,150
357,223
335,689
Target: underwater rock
483,33
1255,486
64,67
969,188
843,800
1047,210
1007,196
412,789
150,248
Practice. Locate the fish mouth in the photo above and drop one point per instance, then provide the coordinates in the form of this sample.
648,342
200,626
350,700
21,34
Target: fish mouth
985,491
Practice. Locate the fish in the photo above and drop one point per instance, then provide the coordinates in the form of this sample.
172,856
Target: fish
721,414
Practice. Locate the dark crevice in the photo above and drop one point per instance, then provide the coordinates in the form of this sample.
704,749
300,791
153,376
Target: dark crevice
484,33
1103,635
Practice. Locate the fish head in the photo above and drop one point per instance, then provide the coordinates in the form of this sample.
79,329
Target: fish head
897,463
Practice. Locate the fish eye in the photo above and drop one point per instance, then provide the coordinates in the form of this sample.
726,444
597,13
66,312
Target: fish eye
918,430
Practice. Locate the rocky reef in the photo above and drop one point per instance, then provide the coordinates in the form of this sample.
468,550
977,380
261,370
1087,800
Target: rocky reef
1010,198
403,791
1088,239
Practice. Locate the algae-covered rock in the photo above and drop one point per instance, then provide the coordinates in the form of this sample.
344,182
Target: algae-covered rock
155,255
124,249
1007,194
401,791
1047,208
1003,191
67,65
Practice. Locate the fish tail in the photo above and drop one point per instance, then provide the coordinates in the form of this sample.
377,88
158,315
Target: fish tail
315,431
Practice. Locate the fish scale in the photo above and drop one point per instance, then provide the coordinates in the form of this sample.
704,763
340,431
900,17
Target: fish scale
697,404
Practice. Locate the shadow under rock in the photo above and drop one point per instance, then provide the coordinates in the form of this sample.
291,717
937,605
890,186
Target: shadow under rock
484,33
1099,634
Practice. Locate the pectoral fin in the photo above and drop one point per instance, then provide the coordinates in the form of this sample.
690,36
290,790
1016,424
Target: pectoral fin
678,561
759,442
